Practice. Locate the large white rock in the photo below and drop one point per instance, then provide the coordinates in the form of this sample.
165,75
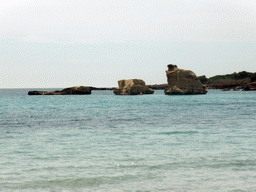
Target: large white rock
182,82
132,87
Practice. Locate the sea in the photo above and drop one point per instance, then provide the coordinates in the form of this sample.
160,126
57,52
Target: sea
105,142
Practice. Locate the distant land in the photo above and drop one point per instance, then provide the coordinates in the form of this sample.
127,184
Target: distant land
233,81
229,81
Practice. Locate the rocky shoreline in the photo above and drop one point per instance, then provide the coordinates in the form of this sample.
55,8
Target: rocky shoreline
233,86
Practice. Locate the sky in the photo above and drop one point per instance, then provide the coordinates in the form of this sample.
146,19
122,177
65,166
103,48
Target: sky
64,43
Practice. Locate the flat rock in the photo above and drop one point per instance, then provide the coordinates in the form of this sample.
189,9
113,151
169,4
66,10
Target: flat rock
78,90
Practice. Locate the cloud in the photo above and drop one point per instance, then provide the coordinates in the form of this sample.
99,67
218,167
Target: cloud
97,21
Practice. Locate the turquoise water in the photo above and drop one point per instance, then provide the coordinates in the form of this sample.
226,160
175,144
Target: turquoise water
104,142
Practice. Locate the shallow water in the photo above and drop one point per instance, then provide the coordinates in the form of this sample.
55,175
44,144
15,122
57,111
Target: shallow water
104,142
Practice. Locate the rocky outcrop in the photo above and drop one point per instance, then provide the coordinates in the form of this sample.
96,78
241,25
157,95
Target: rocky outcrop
132,87
250,87
182,82
78,90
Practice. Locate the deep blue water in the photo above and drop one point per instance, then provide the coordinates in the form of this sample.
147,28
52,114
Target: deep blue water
104,142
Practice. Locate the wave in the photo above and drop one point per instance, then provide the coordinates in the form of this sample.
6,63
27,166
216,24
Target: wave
178,132
73,183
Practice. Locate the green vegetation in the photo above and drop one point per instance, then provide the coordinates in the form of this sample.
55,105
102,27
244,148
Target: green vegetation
253,77
203,79
238,78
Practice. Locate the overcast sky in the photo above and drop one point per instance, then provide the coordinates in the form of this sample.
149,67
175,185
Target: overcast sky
62,43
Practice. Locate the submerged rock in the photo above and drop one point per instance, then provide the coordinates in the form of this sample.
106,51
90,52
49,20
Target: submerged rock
158,86
182,82
226,89
132,87
78,90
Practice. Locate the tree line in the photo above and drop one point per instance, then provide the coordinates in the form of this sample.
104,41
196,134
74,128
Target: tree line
241,76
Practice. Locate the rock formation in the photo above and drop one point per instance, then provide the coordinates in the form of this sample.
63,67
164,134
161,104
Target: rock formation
132,87
182,82
78,90
250,87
